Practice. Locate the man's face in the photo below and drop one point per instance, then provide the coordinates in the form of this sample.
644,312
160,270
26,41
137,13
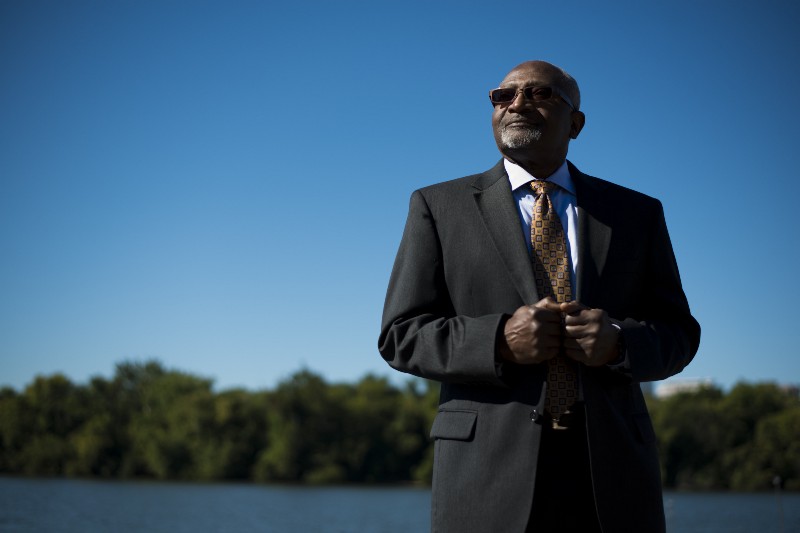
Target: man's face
533,128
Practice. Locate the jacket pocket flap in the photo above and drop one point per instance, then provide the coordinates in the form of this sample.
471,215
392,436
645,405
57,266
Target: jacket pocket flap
456,425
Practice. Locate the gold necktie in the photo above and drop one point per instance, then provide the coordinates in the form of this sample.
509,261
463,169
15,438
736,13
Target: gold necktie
552,271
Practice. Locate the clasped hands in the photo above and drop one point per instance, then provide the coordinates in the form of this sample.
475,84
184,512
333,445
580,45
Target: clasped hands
536,333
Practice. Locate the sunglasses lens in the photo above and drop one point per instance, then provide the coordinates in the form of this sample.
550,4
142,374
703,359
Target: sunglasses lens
503,96
537,94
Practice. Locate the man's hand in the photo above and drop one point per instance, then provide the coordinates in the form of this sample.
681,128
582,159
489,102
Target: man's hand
533,334
589,336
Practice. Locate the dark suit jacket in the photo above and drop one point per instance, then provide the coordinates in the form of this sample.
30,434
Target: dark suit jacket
462,266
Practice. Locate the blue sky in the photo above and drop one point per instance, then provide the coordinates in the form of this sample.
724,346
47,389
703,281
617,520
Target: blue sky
223,185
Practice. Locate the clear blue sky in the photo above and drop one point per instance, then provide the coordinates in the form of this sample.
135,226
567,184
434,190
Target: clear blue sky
223,185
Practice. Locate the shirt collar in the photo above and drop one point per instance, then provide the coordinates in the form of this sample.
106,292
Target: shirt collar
518,176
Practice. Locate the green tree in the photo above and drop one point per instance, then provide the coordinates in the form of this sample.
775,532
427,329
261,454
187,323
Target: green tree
773,452
14,429
239,434
740,440
690,434
423,470
55,408
176,417
303,423
384,431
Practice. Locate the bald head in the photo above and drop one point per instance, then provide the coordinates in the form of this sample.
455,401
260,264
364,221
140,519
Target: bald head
560,77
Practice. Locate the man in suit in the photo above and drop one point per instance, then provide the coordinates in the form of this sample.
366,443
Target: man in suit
463,308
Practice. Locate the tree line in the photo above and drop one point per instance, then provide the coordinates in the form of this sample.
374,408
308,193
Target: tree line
151,422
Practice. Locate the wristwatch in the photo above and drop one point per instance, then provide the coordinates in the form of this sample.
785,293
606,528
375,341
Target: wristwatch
619,360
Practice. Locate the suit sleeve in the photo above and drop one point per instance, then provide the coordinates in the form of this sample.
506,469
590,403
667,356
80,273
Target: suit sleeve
662,341
420,331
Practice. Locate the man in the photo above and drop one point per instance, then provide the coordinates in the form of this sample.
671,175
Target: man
540,298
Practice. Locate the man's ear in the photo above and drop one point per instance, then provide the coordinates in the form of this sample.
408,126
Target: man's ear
578,120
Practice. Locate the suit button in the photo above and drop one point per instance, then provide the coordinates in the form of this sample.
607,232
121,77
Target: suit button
535,416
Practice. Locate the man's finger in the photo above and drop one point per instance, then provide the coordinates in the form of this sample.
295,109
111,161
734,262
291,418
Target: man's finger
548,303
573,307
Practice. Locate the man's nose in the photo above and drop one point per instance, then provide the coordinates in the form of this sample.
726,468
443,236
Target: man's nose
518,102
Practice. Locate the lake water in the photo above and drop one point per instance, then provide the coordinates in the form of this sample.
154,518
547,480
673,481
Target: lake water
72,506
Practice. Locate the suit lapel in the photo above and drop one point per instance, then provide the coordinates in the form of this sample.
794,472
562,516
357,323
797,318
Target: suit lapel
594,234
499,213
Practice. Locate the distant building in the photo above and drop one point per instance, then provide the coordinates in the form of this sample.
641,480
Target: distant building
672,387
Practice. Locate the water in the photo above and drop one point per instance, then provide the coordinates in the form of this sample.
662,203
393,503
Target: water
72,506
716,512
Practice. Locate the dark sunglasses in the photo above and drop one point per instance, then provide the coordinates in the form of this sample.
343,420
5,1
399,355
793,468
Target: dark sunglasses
534,93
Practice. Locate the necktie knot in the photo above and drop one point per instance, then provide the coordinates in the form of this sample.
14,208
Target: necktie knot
543,187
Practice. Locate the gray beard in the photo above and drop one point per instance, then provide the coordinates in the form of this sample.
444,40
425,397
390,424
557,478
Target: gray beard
519,138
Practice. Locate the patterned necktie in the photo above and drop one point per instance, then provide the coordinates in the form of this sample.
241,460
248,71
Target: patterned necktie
552,272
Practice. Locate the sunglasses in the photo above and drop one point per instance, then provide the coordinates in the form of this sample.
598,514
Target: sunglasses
534,93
